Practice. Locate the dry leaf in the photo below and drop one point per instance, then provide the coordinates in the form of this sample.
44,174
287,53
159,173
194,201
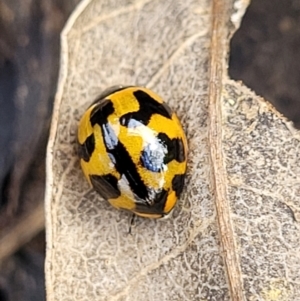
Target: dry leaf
235,232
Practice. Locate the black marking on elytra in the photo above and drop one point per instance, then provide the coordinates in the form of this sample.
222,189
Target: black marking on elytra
178,183
122,160
100,113
109,91
86,149
170,149
147,107
106,186
174,146
156,207
125,166
180,150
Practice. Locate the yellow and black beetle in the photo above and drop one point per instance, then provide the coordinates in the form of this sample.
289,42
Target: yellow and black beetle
133,151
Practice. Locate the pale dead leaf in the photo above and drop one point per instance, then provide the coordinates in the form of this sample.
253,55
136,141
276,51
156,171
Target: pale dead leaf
235,232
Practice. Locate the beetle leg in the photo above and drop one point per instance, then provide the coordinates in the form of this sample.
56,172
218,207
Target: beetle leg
131,222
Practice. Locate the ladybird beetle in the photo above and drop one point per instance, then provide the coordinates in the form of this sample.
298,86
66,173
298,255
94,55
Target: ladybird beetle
133,151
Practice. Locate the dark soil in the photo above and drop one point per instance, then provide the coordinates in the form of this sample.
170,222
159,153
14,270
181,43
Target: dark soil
265,54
